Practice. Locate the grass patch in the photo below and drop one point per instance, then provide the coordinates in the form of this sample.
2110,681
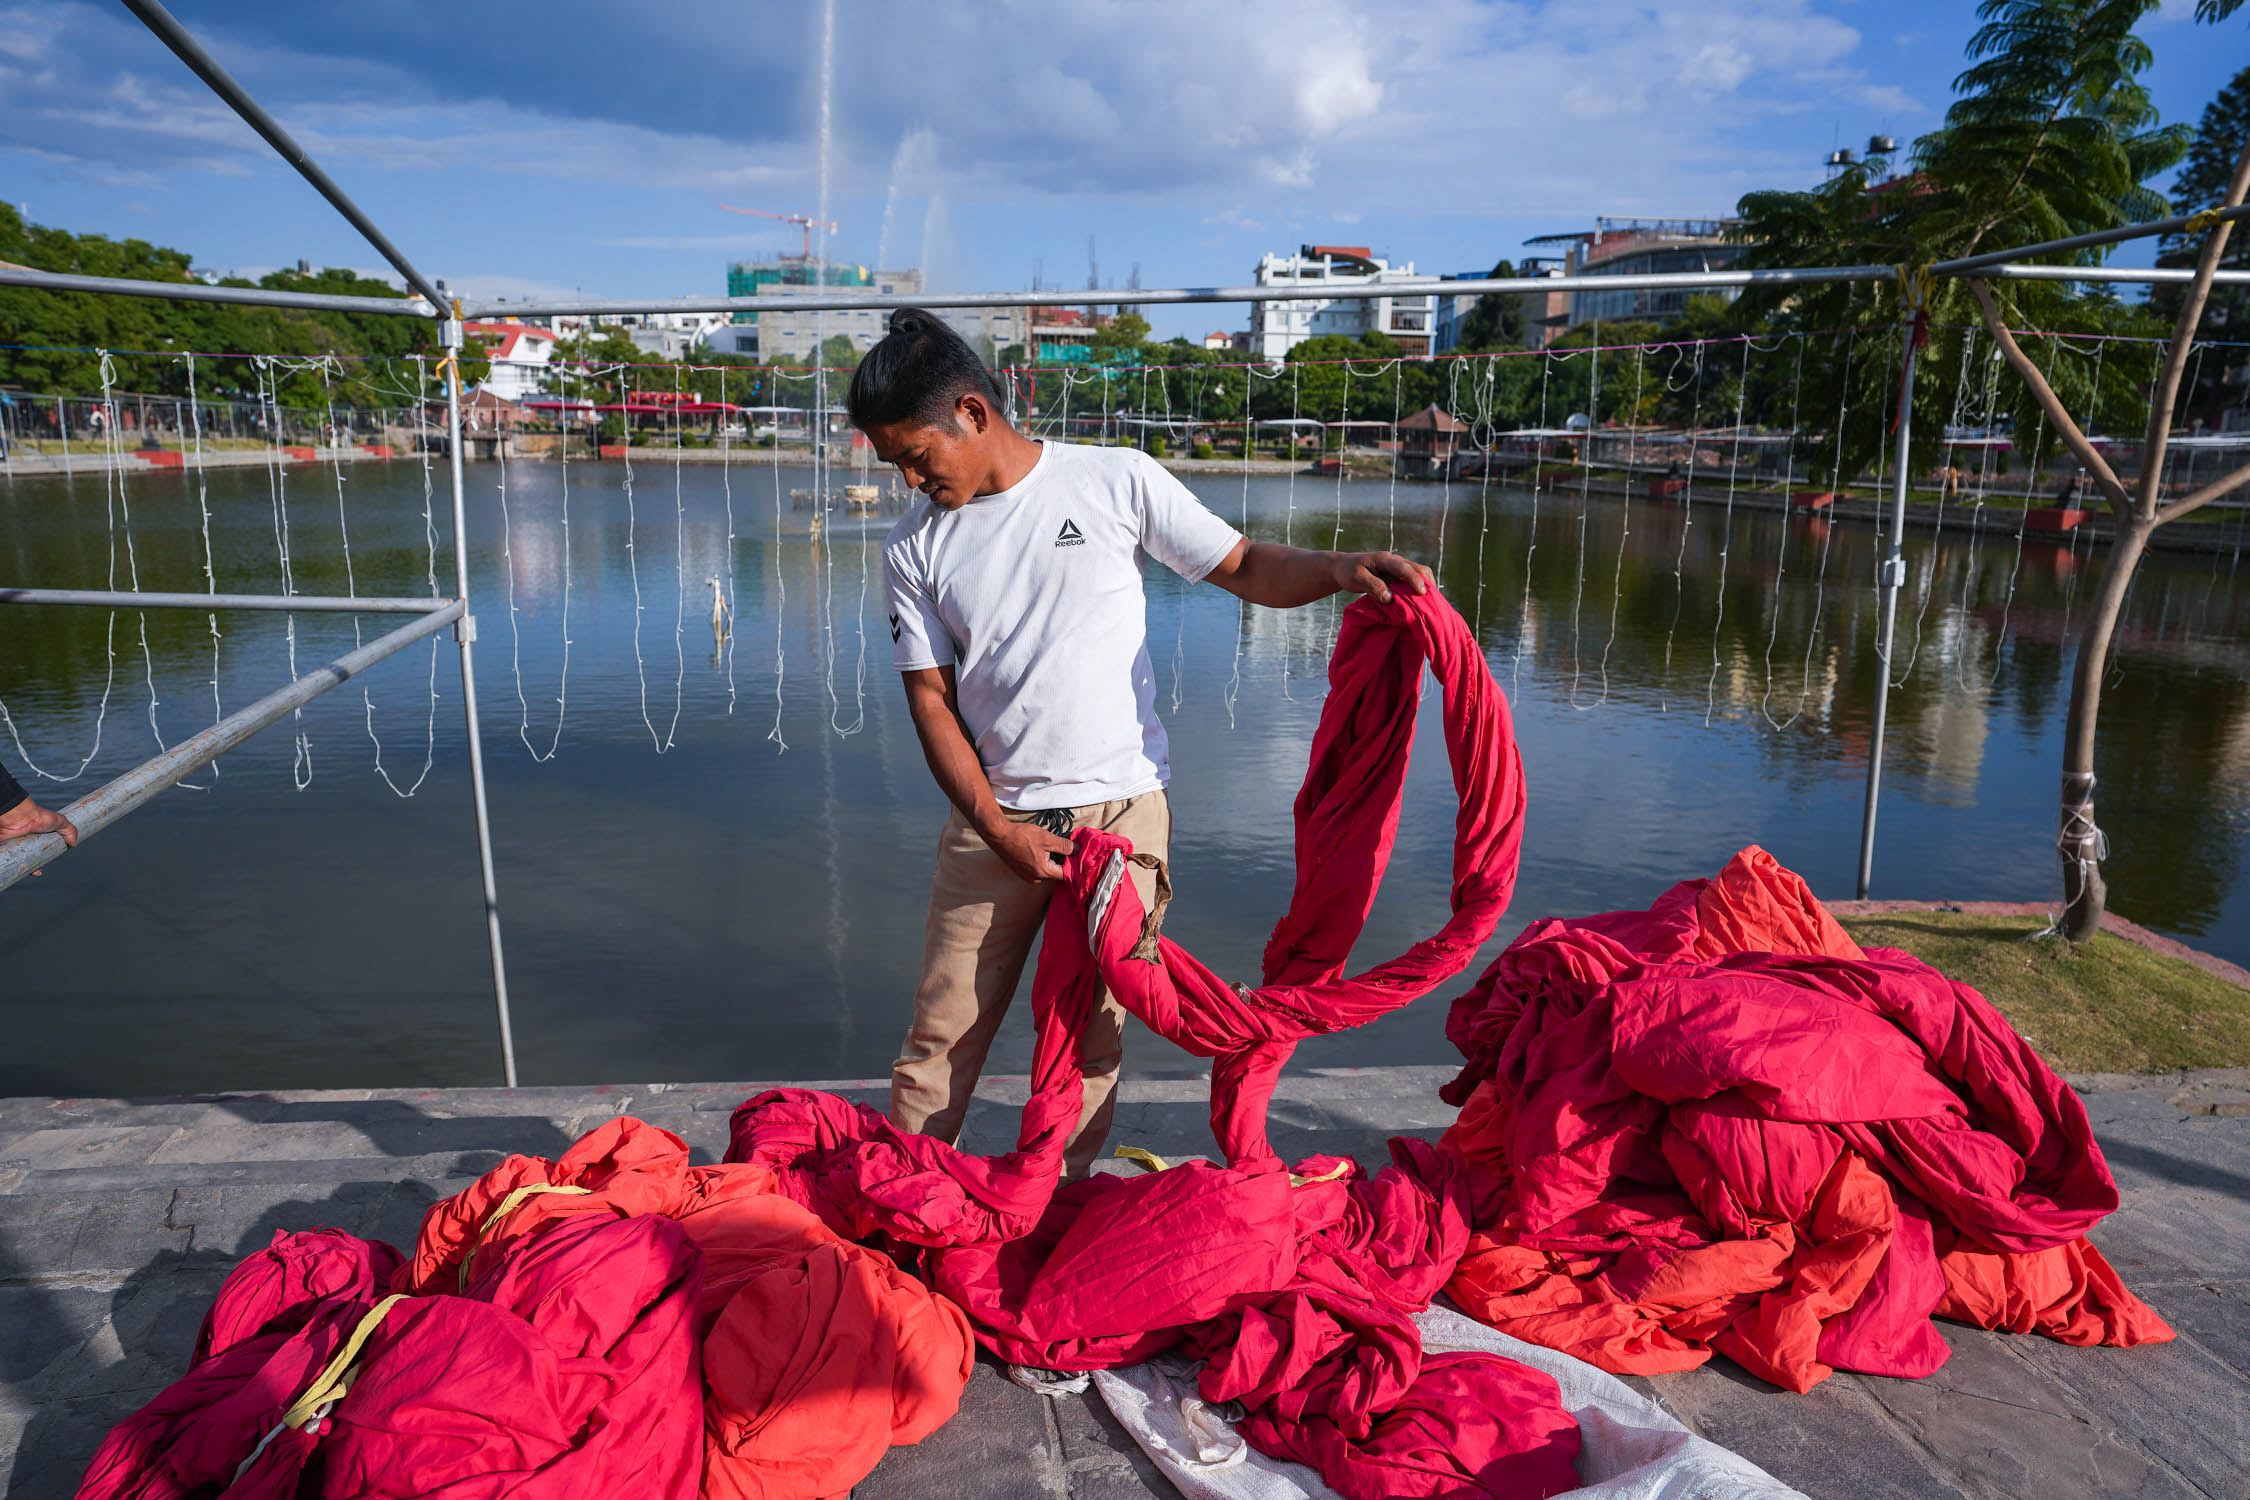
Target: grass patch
2108,1006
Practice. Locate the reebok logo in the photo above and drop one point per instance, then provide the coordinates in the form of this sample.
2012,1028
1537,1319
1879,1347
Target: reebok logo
1070,535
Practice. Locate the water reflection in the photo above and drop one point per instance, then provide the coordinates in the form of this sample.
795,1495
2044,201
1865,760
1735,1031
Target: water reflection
685,898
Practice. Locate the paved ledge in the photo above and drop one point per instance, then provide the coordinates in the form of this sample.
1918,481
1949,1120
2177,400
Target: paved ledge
119,1218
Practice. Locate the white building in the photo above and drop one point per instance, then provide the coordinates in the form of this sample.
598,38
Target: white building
519,353
794,336
1278,327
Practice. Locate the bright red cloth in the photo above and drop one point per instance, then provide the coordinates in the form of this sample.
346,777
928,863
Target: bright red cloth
1722,1126
1297,1295
1347,819
567,1369
817,1354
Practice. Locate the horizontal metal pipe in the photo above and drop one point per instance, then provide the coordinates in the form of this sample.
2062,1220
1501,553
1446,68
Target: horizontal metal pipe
1158,296
286,603
2156,276
2078,242
196,291
175,36
98,809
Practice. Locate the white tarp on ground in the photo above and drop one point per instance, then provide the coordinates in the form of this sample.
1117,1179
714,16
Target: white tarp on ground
1632,1448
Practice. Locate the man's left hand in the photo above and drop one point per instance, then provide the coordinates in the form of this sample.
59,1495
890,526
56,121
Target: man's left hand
1377,573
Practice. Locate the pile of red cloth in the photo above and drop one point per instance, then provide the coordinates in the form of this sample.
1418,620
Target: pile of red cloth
818,1354
565,1368
1721,1125
613,1322
1295,1287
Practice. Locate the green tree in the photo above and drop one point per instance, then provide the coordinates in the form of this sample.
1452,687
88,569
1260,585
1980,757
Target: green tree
2138,509
2202,183
1495,322
1127,331
57,332
2052,135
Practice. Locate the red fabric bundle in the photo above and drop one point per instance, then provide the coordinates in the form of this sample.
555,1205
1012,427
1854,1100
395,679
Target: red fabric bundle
1721,1125
817,1354
567,1369
1297,1291
1347,820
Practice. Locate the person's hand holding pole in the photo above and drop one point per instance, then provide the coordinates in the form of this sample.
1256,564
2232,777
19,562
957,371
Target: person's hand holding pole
28,817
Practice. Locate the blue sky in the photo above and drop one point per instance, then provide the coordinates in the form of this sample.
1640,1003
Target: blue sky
580,147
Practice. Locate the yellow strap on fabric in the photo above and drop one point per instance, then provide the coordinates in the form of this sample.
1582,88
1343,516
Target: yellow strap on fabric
1338,1170
1147,1159
509,1205
2204,222
334,1381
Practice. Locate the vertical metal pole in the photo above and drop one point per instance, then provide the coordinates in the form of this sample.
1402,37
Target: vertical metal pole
465,631
62,430
1890,578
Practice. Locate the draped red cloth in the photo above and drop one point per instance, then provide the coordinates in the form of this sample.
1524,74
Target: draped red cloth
1296,1290
1722,1126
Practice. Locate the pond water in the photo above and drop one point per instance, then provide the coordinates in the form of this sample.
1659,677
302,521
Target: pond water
713,864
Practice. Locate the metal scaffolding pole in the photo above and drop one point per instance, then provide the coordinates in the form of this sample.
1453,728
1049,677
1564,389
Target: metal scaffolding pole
190,51
1890,577
449,336
98,809
280,603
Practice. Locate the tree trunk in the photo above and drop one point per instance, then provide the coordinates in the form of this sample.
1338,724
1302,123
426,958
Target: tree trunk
2079,841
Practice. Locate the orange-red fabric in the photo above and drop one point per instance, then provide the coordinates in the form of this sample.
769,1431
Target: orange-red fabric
820,1355
1297,1296
1721,1125
817,1354
566,1369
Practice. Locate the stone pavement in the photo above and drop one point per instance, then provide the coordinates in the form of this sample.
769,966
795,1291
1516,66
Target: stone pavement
119,1219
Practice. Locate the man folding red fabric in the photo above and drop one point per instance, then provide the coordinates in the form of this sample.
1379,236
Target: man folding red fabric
1019,626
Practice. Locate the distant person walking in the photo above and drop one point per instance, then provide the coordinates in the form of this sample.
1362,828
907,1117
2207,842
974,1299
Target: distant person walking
1020,629
20,817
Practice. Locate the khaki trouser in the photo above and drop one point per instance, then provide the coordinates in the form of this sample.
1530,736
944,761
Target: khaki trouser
983,921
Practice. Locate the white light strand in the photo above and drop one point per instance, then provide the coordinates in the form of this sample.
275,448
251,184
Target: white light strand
1726,532
1585,504
679,571
1788,499
277,489
1687,521
1828,532
726,490
1624,518
633,557
210,573
780,581
1531,528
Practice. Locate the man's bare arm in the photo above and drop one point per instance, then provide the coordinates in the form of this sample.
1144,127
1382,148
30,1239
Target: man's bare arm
1284,577
1030,851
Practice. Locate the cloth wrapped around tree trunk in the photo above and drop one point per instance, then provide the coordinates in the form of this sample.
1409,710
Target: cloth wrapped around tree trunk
1723,1126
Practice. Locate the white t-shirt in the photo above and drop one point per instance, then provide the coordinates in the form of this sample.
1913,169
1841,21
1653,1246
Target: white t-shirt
1033,596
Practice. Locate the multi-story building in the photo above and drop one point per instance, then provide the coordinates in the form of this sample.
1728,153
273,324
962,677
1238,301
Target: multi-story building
794,336
1278,327
519,353
1639,247
753,278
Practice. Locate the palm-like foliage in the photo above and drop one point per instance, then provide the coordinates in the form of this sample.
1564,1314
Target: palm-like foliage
2052,135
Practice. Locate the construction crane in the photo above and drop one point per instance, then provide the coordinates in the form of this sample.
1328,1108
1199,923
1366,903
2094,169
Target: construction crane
802,221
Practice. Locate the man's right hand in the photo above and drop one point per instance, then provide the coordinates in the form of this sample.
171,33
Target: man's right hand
1030,851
